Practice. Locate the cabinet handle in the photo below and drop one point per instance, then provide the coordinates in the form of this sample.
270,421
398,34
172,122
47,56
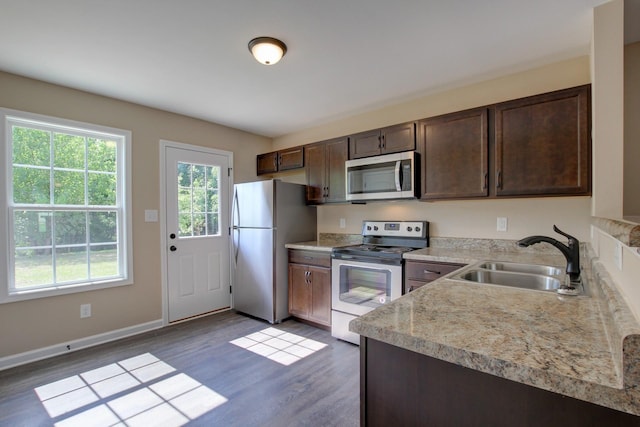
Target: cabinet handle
431,272
381,139
486,181
499,180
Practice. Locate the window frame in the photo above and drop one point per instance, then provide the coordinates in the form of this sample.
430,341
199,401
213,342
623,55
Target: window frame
123,205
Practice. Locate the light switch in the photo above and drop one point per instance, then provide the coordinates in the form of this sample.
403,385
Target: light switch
150,215
501,224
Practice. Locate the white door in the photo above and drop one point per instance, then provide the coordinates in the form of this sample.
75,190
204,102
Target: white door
197,226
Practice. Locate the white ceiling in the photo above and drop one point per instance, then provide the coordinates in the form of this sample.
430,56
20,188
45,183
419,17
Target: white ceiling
345,56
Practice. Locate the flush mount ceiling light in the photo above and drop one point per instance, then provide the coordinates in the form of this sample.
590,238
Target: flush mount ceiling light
267,50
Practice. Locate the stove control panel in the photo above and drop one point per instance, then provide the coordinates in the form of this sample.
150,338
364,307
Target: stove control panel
417,229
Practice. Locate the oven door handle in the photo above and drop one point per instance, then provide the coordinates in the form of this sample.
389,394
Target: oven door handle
398,176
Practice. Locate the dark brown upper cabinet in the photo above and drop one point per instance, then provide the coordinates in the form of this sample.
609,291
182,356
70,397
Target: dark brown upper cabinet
543,144
325,171
280,161
455,155
392,139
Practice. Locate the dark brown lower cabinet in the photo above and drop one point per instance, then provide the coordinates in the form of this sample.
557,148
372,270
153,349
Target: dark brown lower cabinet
310,286
403,388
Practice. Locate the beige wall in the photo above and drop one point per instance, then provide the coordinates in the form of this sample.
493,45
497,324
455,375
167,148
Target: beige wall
468,218
632,130
38,323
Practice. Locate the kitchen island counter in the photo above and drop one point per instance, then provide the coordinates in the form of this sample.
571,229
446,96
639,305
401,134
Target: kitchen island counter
586,347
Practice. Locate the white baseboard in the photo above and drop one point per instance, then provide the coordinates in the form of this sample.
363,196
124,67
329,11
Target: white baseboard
57,349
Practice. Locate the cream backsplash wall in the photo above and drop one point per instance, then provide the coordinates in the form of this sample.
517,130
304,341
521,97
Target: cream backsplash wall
469,218
38,323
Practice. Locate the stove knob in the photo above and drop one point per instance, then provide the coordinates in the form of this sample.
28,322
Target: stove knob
409,229
418,229
375,228
368,227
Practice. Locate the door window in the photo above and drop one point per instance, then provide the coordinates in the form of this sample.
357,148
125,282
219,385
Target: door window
198,200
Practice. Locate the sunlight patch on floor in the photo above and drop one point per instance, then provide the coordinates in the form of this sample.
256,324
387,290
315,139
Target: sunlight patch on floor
172,401
279,346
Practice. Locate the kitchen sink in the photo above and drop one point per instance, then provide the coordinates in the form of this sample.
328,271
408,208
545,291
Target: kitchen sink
514,280
522,268
517,275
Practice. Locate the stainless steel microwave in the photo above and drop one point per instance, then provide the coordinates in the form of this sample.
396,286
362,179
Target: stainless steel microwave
391,176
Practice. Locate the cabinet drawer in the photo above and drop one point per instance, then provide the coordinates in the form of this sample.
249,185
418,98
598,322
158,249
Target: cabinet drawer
322,259
428,271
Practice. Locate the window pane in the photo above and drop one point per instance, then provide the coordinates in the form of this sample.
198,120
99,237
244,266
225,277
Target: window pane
184,224
68,188
68,151
184,200
70,228
103,227
33,267
197,176
102,189
104,261
71,264
31,186
199,200
31,228
212,203
212,225
199,225
184,175
213,173
31,146
101,155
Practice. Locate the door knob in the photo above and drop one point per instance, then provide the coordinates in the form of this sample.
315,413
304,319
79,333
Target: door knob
173,248
172,236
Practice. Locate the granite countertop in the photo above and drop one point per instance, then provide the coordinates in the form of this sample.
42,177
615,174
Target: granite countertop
586,347
326,242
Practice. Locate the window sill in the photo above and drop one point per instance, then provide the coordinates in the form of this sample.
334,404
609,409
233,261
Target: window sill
63,290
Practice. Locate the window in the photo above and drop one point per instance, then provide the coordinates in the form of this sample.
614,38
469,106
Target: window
65,206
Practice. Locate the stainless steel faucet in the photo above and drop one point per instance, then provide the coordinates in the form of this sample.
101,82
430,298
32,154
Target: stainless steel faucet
571,252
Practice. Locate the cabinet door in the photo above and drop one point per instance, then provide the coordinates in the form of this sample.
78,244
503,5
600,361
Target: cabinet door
398,138
455,155
320,305
315,172
336,154
365,144
291,158
299,290
267,163
543,144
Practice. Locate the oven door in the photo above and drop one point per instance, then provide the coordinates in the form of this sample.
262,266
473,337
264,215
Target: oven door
358,286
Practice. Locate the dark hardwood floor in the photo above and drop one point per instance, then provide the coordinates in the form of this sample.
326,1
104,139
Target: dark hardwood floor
321,389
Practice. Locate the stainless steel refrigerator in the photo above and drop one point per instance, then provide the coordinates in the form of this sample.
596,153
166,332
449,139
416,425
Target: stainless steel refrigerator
266,216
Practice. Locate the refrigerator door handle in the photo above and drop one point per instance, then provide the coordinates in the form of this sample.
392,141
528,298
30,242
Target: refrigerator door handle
236,231
235,209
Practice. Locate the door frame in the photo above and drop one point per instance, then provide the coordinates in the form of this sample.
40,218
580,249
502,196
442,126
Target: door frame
164,144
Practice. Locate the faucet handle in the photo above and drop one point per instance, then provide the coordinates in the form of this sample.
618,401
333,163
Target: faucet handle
572,240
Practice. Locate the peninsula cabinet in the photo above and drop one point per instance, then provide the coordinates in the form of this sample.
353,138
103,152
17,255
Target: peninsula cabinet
280,161
455,160
392,139
310,286
543,144
399,387
325,173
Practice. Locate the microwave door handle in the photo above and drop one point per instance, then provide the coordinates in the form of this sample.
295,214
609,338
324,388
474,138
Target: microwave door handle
398,176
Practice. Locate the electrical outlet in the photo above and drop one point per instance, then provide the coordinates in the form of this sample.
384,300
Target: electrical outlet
343,223
501,224
85,310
